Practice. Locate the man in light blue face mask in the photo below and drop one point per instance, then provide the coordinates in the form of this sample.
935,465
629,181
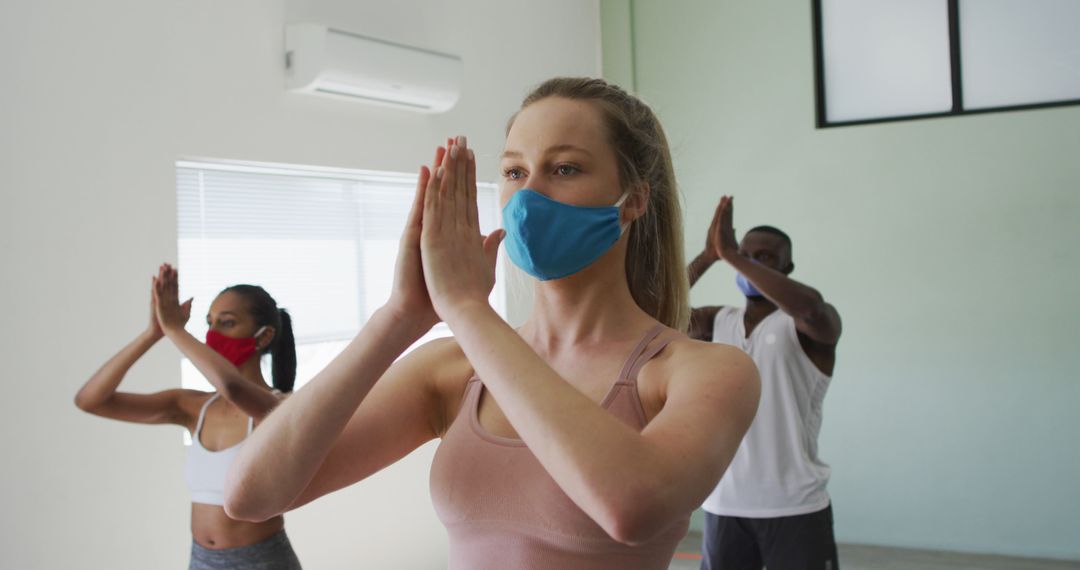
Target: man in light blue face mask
772,510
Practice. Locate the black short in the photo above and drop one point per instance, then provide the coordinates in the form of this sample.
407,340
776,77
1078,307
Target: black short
783,543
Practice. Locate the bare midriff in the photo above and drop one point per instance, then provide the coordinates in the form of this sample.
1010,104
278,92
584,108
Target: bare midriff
213,529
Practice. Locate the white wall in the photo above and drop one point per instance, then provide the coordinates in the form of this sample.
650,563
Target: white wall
950,247
97,101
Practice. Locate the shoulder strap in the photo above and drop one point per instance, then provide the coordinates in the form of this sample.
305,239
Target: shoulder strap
647,356
628,373
202,413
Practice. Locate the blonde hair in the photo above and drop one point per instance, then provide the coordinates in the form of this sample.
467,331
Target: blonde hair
655,269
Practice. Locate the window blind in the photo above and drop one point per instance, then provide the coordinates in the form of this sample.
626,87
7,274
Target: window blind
322,242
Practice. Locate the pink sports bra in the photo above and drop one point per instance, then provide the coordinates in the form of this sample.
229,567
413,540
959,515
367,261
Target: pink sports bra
502,509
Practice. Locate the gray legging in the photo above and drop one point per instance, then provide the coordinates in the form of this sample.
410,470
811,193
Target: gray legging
274,553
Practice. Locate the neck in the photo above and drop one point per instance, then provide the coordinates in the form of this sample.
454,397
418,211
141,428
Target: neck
759,306
591,306
251,370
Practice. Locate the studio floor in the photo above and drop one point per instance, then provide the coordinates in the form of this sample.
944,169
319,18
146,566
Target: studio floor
861,557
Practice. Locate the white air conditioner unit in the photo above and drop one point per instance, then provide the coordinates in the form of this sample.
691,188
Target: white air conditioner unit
324,61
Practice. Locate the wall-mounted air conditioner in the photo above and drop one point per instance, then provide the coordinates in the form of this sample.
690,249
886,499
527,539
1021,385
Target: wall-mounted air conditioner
324,61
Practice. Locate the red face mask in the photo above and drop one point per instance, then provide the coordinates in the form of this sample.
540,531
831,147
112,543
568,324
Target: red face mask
236,350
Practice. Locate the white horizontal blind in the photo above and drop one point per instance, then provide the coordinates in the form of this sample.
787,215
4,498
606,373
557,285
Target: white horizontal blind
322,242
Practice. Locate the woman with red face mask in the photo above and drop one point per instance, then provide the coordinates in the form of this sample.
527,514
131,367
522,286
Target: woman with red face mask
244,324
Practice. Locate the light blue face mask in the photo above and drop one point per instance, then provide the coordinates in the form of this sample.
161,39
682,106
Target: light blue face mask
746,286
551,240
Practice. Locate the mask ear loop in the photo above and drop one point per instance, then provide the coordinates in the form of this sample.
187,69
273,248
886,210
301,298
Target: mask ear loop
622,227
256,336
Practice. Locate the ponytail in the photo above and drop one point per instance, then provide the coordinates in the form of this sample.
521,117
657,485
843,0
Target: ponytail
283,354
282,349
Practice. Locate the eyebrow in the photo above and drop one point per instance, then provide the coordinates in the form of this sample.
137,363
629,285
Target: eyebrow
222,313
552,149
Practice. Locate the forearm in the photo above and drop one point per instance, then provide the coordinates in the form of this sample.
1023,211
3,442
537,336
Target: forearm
280,458
700,265
221,373
102,385
604,465
794,298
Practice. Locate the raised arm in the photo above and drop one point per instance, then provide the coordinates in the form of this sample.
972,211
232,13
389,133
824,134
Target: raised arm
99,395
327,435
173,315
322,438
708,256
703,318
634,485
813,316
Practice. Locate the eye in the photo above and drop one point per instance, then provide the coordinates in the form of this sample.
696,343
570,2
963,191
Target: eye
566,169
227,323
513,173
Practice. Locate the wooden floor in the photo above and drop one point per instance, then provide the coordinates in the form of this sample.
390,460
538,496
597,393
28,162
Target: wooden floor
860,557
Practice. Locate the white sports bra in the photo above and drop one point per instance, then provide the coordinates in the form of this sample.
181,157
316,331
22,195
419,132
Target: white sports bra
205,470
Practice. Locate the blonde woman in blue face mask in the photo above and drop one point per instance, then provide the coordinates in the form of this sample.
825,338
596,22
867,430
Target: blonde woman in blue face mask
244,322
585,438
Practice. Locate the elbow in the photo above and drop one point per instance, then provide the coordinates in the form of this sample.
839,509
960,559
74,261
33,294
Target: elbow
242,508
239,510
820,323
814,310
243,504
634,526
634,521
86,403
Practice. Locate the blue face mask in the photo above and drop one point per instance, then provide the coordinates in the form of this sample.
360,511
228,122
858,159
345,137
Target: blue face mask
551,240
746,286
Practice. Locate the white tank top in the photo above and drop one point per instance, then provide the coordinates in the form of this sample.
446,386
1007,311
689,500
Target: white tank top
205,470
776,471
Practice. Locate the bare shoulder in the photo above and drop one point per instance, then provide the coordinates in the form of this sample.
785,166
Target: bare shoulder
192,399
444,360
190,403
707,364
446,371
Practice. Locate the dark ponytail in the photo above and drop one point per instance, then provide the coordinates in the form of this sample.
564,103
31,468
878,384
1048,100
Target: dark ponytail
283,354
282,349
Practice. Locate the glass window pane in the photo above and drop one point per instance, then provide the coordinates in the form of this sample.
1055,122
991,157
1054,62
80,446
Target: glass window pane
885,58
1016,52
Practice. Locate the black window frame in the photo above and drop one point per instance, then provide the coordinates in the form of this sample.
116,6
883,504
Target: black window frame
955,72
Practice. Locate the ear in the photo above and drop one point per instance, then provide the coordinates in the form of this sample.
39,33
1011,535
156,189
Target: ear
264,338
637,203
